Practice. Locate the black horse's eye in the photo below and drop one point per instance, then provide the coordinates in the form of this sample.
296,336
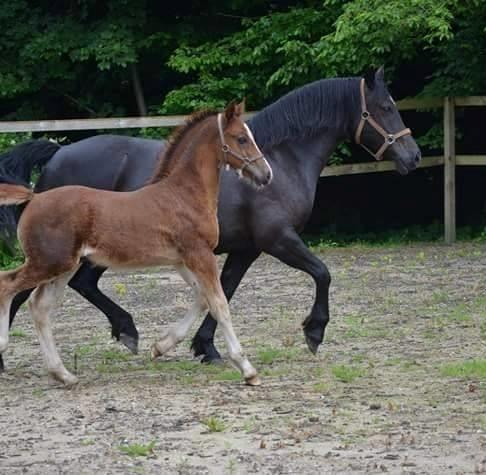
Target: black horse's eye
242,140
387,107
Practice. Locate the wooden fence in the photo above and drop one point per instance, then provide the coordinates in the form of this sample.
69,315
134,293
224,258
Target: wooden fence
449,160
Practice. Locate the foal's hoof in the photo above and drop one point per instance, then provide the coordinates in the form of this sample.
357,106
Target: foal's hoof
253,381
130,342
68,379
2,366
154,352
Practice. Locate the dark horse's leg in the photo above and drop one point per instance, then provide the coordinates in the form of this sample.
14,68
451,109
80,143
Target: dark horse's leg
233,271
18,300
291,250
85,282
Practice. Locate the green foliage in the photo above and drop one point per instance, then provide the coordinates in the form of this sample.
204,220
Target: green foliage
326,39
8,141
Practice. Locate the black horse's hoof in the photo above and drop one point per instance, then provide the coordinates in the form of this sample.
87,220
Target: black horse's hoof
312,344
130,342
208,359
2,367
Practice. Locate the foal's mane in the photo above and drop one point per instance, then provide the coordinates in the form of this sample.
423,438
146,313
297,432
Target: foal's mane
168,159
307,110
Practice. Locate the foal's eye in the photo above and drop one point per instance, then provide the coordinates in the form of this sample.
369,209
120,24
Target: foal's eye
242,140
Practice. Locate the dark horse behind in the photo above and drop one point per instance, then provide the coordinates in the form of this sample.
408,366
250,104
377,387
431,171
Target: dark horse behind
297,133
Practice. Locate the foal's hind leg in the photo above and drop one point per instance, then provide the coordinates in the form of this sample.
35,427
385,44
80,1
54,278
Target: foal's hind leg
19,299
178,332
41,304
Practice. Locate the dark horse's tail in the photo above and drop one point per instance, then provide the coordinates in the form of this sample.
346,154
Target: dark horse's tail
16,168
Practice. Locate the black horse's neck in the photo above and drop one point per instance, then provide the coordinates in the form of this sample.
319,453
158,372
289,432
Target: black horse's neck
328,105
299,132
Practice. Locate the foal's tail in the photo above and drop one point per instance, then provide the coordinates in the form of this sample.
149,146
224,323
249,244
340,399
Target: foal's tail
16,168
15,194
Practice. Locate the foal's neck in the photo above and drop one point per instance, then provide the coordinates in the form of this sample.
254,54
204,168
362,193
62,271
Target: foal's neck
196,171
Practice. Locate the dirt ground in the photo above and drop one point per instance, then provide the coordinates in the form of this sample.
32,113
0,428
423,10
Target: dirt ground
399,385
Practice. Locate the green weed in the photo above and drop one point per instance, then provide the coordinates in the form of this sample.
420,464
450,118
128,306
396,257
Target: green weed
138,450
213,424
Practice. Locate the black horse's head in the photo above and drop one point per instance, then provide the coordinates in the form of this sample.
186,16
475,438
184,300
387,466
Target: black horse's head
381,130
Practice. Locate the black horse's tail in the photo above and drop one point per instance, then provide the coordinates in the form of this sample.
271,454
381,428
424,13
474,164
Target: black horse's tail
16,168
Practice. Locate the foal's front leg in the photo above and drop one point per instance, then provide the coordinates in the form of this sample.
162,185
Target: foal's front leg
205,268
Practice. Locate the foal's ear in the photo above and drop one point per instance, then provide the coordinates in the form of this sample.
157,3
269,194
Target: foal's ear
230,112
240,108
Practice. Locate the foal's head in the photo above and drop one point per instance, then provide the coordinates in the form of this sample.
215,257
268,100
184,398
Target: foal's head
239,148
381,129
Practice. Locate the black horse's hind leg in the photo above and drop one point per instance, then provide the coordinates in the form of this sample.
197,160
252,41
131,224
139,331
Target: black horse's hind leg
18,300
85,282
291,250
233,271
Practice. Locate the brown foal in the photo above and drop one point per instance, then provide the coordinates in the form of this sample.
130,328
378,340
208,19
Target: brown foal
171,221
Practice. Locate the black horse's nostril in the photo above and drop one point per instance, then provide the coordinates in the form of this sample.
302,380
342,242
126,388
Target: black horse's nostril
418,157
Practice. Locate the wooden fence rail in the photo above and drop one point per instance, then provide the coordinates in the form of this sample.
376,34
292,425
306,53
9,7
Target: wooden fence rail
449,160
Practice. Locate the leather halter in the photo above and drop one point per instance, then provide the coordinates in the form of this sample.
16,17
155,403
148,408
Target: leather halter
245,161
389,139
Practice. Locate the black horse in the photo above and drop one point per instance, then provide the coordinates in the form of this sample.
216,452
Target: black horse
297,133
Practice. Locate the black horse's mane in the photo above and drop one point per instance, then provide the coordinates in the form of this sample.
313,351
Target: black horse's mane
305,111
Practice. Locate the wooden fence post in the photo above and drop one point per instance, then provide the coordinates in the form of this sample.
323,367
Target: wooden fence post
449,171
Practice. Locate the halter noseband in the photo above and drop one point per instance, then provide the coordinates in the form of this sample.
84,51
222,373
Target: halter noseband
227,149
389,139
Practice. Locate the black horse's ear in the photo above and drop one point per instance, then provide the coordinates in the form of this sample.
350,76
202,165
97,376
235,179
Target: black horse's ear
369,77
380,74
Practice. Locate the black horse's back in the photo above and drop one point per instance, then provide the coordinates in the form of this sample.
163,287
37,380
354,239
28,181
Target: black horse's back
109,162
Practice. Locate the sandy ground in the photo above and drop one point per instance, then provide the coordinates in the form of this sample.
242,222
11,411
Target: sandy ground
398,387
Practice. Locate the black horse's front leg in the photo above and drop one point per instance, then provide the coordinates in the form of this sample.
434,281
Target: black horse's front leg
291,250
234,269
85,282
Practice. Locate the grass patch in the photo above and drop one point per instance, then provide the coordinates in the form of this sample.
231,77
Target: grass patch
227,375
269,355
138,450
17,333
393,237
320,387
466,369
214,424
347,374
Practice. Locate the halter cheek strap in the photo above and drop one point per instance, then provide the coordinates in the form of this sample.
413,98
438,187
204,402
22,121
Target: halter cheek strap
226,149
389,139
